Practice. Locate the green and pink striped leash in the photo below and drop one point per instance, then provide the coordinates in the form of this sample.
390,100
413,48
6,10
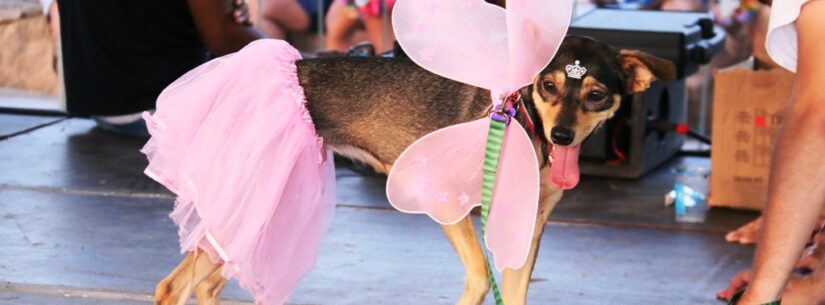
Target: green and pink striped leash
499,119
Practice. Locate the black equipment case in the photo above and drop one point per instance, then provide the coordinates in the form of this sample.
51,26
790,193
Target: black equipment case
642,134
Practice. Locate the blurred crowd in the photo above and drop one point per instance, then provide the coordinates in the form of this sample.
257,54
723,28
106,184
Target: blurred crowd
221,27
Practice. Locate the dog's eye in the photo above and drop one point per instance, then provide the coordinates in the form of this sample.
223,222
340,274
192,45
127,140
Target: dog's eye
550,87
595,96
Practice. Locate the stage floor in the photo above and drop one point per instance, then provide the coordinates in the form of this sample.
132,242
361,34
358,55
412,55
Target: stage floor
81,224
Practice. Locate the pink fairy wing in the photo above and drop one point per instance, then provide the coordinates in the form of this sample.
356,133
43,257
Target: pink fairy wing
439,176
515,200
535,30
463,40
474,42
479,44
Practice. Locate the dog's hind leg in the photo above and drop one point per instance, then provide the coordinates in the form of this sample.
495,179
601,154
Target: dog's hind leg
515,281
462,235
177,287
208,291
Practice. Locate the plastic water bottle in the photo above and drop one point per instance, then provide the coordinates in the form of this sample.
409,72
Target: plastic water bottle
691,187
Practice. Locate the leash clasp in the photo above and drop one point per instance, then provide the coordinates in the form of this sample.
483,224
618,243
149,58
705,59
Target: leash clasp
506,110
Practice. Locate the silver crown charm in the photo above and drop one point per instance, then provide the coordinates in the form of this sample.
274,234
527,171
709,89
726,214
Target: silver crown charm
575,71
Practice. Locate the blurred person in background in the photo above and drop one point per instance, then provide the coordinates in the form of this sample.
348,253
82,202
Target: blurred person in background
279,18
119,55
346,17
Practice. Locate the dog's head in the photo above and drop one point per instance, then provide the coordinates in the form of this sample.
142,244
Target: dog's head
580,89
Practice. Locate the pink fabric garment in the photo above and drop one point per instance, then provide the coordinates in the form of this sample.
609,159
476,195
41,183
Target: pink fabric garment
233,140
483,45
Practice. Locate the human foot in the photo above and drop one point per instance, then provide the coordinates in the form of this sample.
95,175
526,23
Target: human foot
749,233
746,234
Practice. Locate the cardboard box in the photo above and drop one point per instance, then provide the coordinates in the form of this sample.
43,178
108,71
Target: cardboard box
747,111
27,52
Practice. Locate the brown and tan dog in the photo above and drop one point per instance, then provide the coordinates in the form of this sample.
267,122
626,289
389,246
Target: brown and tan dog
371,109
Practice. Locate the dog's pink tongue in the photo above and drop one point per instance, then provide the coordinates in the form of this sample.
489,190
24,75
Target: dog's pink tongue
564,171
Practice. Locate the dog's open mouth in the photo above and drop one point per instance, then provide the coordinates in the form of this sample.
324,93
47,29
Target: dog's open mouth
564,166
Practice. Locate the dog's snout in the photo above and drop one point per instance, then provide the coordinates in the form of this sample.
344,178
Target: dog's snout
562,136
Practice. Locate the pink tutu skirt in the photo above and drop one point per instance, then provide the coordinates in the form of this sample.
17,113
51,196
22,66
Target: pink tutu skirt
255,187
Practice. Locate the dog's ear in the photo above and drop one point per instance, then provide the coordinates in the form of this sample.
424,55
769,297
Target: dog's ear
640,69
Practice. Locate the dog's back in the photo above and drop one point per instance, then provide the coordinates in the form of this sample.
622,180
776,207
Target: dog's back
381,105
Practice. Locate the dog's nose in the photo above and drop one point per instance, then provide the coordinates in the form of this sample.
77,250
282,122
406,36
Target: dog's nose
562,136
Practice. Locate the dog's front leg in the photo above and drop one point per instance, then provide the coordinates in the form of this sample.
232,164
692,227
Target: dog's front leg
516,281
462,236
